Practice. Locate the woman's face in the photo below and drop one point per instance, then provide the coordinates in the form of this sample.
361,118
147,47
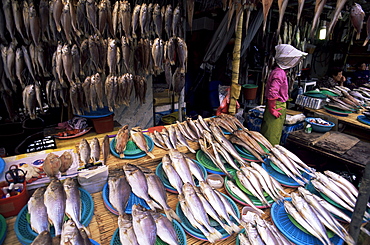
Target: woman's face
338,76
362,67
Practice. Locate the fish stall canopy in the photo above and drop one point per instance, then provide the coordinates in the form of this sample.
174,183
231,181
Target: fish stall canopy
61,58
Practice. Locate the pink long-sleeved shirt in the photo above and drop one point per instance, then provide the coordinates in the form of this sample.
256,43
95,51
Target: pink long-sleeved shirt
277,85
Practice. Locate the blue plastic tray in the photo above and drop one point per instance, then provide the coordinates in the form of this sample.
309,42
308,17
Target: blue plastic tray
179,231
3,229
162,175
26,235
191,230
282,178
134,149
364,119
131,201
292,232
100,112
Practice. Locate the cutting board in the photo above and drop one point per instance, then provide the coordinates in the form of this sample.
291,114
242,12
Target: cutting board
337,143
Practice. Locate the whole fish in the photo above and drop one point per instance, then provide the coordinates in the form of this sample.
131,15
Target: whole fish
178,80
172,175
94,52
42,60
51,165
119,193
319,7
255,183
168,18
116,17
66,160
71,234
57,13
157,53
175,21
59,64
103,17
143,222
86,89
113,55
126,50
74,99
157,191
84,151
236,140
126,230
10,64
182,52
39,98
76,61
367,31
203,123
121,140
55,202
243,239
29,100
157,20
181,139
26,18
8,13
357,18
143,19
37,210
19,66
134,175
165,229
166,139
343,181
99,89
42,239
135,19
179,163
126,18
18,19
172,135
338,8
92,14
65,20
73,201
282,4
140,141
95,149
111,92
158,142
105,149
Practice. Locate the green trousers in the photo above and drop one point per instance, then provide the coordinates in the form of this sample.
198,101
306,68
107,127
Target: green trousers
272,127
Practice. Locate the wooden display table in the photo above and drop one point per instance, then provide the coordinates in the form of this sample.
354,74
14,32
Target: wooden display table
104,223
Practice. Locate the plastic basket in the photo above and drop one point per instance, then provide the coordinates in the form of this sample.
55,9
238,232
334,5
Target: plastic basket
132,151
12,205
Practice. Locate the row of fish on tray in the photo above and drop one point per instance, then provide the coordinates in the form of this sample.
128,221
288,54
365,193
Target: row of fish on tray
89,153
349,100
48,206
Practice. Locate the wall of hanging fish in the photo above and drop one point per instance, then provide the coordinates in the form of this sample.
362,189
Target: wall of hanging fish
79,53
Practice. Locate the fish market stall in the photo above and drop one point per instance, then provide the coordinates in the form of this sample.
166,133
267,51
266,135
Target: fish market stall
197,155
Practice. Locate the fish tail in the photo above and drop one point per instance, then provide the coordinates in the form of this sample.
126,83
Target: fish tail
235,227
153,205
151,155
172,215
366,40
349,240
191,149
214,236
358,35
81,226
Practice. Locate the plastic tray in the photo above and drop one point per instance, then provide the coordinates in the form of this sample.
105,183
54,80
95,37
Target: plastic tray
2,165
3,228
162,175
132,151
131,201
26,235
335,111
293,233
254,199
245,154
364,119
176,225
282,178
209,165
194,232
100,112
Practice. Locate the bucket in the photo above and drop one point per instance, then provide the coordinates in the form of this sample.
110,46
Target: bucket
11,134
12,205
103,124
249,91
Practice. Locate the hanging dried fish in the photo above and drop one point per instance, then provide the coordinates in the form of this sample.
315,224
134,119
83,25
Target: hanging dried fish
34,25
140,88
113,56
57,13
135,20
8,13
338,8
190,12
143,19
19,66
182,53
176,21
282,7
357,18
157,53
125,10
157,20
29,101
319,7
111,89
18,19
126,50
168,18
65,20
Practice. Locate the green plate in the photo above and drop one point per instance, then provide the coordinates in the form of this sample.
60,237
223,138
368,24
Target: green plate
328,232
208,163
335,110
273,165
241,186
254,199
330,200
325,92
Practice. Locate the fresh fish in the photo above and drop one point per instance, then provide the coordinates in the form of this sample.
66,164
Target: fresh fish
135,19
143,222
168,18
319,7
55,202
18,19
73,202
71,234
367,31
134,175
8,13
333,22
181,139
126,230
121,140
181,166
43,238
37,210
357,18
195,207
85,151
165,229
95,149
119,193
139,139
66,161
157,20
158,193
266,4
172,175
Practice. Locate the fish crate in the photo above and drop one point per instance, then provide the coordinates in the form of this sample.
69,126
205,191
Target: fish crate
12,205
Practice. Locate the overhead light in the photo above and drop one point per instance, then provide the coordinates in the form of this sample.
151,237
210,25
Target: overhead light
322,32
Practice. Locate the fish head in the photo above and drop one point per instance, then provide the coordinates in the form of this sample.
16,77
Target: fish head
130,167
188,188
69,183
74,49
39,192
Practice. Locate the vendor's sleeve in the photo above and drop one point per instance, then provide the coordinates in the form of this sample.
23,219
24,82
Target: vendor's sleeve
272,92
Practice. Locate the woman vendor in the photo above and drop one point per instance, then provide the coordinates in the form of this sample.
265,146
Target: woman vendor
335,78
286,57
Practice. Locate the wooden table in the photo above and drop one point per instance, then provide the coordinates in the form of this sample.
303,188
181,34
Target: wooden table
104,223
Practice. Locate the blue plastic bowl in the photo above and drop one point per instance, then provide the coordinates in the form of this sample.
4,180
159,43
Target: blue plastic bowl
318,127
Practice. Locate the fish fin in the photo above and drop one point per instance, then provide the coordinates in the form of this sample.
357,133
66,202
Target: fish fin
151,155
172,215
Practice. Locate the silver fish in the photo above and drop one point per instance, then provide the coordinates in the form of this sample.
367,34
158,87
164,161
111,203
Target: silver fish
135,20
172,175
37,210
119,193
168,18
143,19
71,234
181,139
66,23
84,151
95,149
55,202
143,222
157,20
126,230
43,238
165,229
139,139
181,166
29,100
